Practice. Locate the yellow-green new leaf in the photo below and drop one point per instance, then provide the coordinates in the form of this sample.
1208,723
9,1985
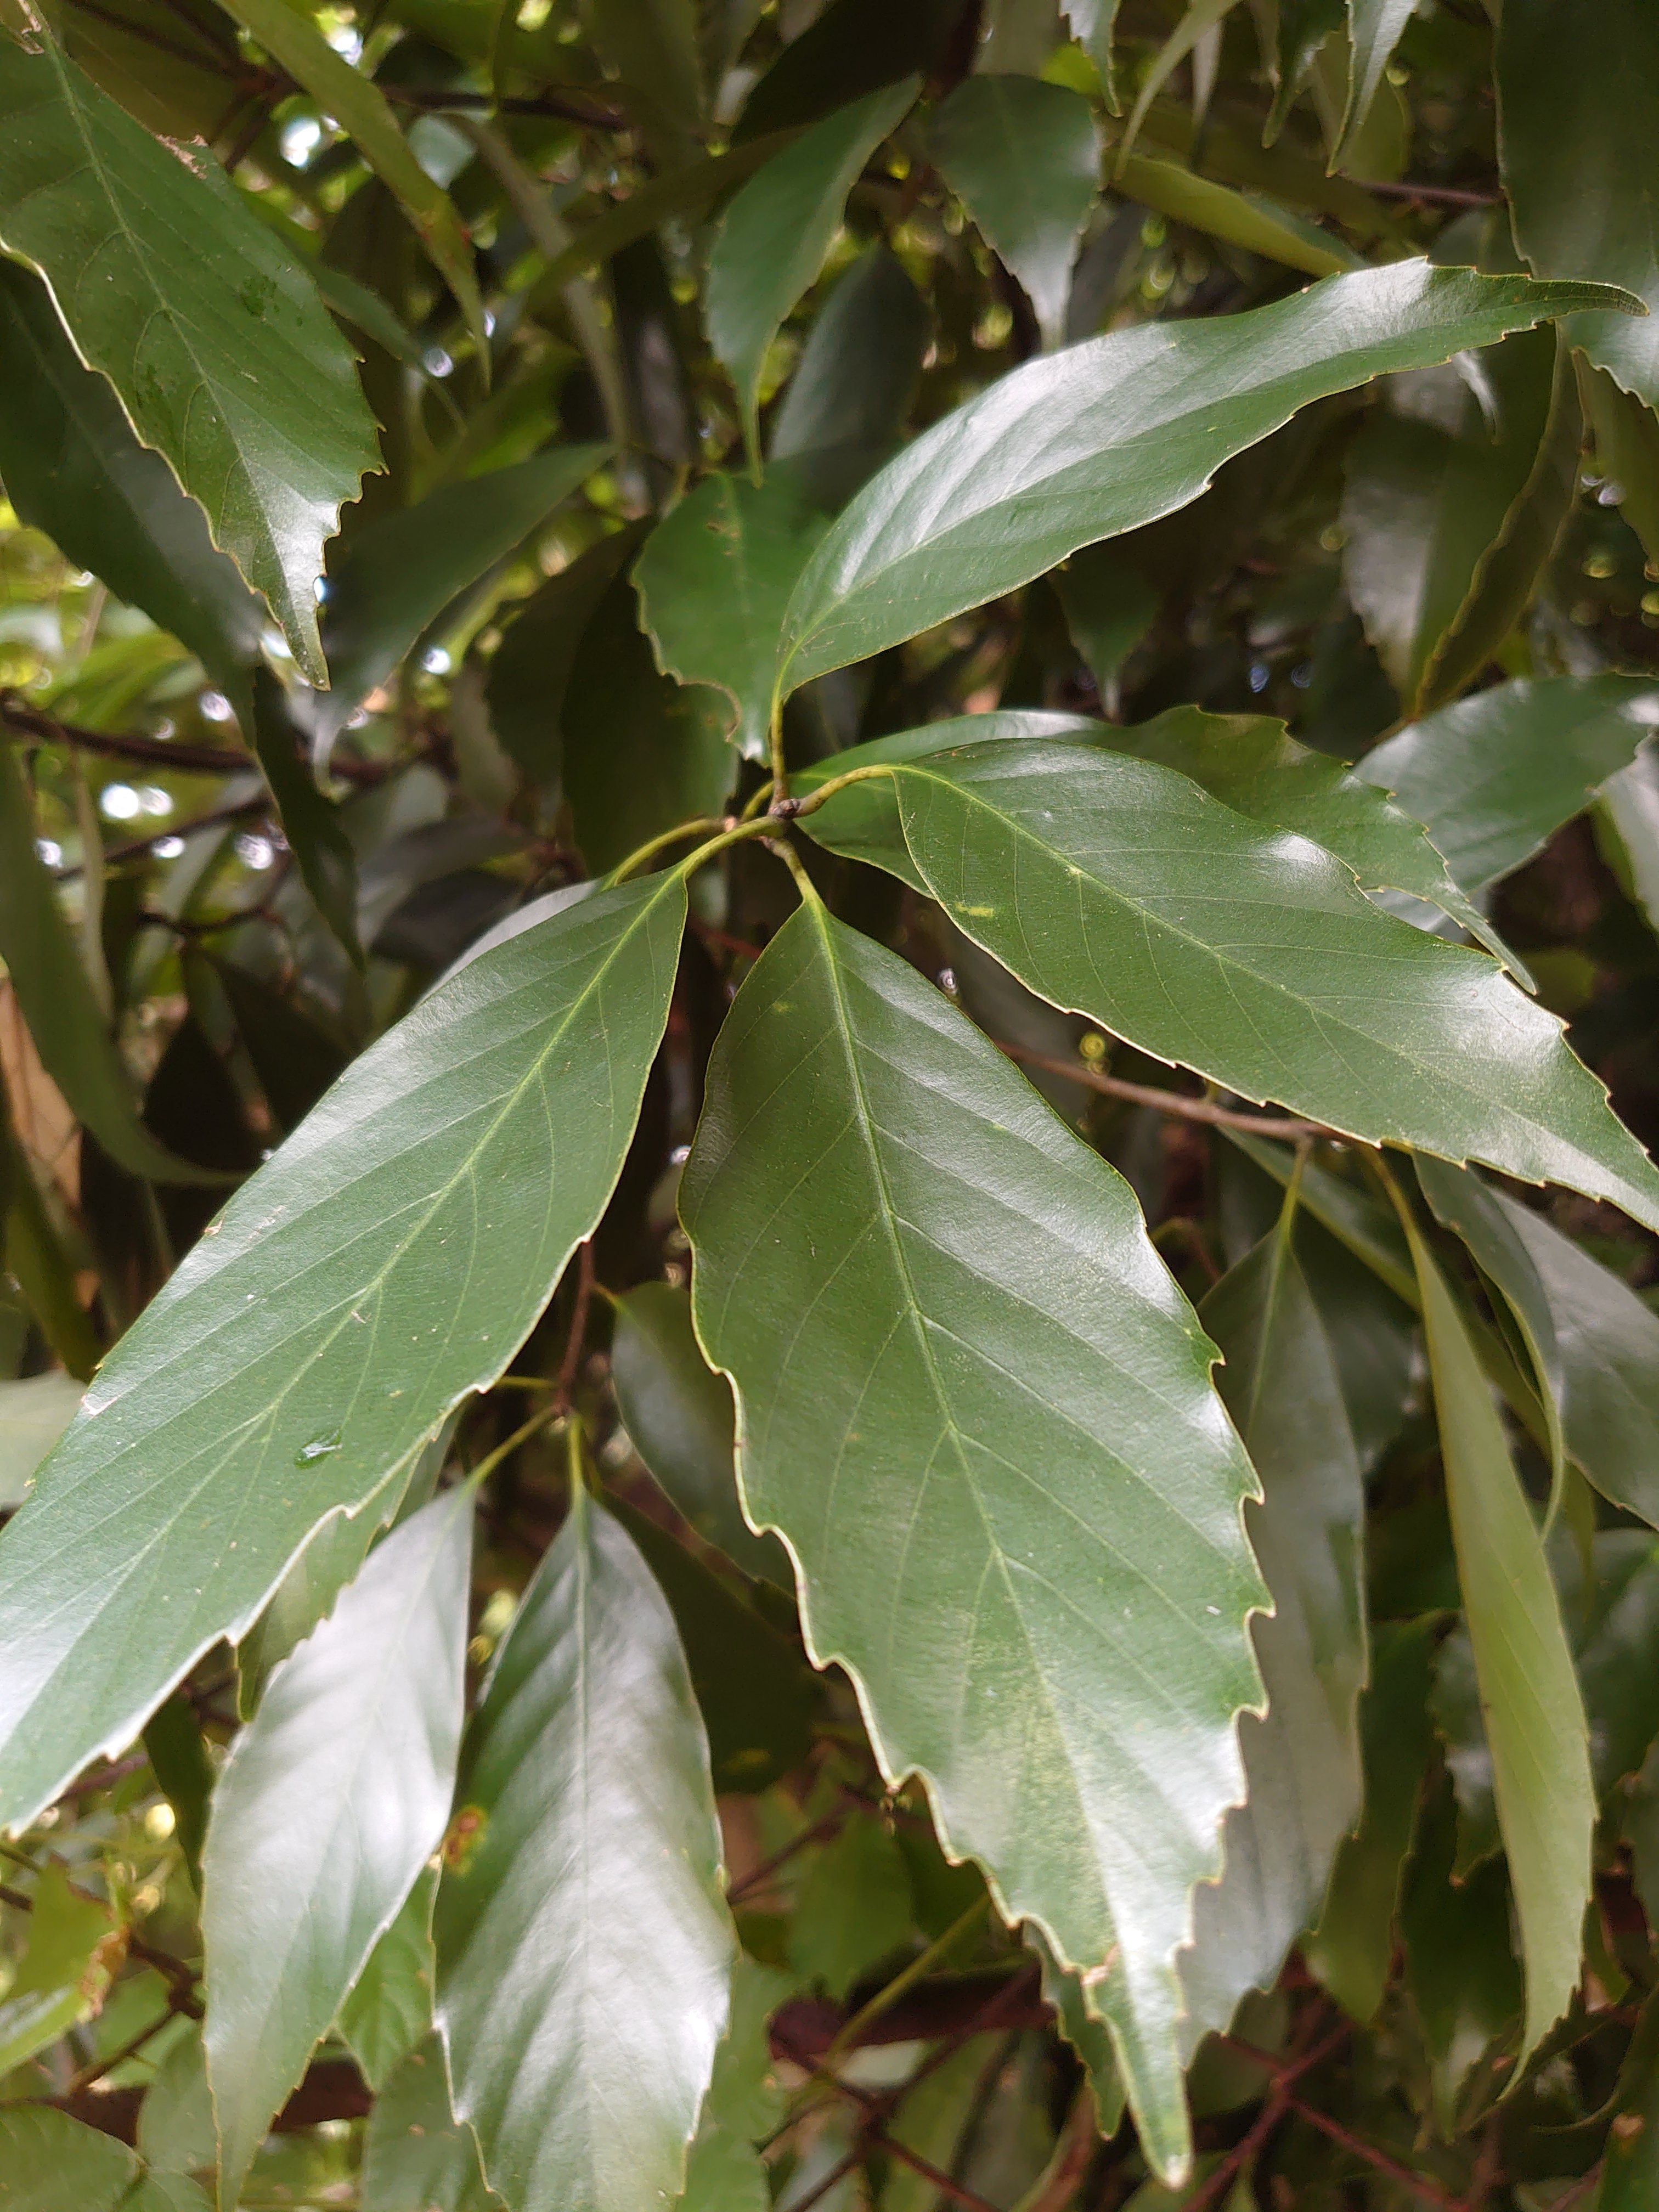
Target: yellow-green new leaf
389,1260
1113,433
221,353
1529,1694
583,1946
74,1947
361,108
981,1414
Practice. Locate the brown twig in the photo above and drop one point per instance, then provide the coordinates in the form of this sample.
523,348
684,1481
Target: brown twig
216,820
877,2110
124,744
1073,2155
1418,2184
78,2084
1278,2100
1434,195
756,1878
1166,1102
570,107
103,1777
572,1361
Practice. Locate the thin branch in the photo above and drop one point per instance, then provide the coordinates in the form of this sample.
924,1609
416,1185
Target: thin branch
125,744
1418,2184
1214,2191
1167,1101
1434,195
129,2049
757,1877
103,1777
563,105
571,1364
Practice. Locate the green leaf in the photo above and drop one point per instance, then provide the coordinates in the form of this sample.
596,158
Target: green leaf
310,822
1462,1979
1112,433
1351,1948
183,1766
414,2151
1431,487
168,286
34,1414
399,572
1244,219
652,45
410,1232
65,1018
584,1946
74,1947
335,1795
1578,107
1528,1692
389,2011
1496,776
1253,765
1594,1343
50,2162
1374,28
530,673
1303,28
641,752
679,1415
714,580
358,105
1109,608
1092,23
852,1909
1023,158
985,1312
73,468
844,408
745,2100
1085,2032
1281,1382
1118,889
776,231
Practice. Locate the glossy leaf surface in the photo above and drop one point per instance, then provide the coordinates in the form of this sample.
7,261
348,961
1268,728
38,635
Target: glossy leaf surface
1112,433
1222,949
841,415
986,1534
581,2016
1023,158
775,232
1494,776
389,2011
1374,28
714,580
335,1795
272,458
1528,1692
1281,1381
416,2152
49,2161
473,1147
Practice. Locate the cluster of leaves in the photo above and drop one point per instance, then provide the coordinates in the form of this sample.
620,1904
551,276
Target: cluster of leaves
724,982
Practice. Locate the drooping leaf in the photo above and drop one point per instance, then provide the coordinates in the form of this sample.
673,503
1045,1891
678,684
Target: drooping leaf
1023,158
844,407
1578,103
272,457
1260,225
358,105
1110,607
714,580
678,1414
1529,1694
530,669
652,47
52,989
724,2172
581,2012
183,1766
1494,776
335,1795
415,2153
1112,433
1374,31
776,231
73,468
49,2161
1303,28
1281,1382
640,752
311,820
1464,1981
1253,959
1594,1342
1350,1949
388,2012
409,1231
1092,23
1430,486
74,1948
34,1414
1629,2176
398,572
986,1315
